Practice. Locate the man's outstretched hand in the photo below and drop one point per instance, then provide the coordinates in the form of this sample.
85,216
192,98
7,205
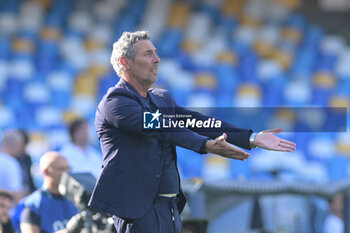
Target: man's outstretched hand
265,139
268,140
219,146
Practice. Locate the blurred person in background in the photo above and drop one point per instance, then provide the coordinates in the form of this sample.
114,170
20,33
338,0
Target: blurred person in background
334,222
11,178
81,156
25,162
6,200
139,183
46,210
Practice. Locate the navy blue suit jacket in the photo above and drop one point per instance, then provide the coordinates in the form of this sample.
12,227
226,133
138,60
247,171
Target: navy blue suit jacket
132,157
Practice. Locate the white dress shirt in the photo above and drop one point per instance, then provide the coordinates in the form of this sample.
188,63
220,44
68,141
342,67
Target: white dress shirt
88,160
10,173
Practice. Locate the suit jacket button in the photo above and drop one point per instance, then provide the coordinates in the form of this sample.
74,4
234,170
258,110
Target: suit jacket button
157,175
159,152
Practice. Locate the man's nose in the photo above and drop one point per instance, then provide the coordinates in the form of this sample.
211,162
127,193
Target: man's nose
157,59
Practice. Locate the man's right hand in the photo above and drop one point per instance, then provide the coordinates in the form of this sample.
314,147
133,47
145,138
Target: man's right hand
221,147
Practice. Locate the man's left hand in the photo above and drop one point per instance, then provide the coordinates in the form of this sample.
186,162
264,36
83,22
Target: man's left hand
268,140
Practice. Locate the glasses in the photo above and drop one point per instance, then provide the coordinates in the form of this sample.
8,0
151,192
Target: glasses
61,169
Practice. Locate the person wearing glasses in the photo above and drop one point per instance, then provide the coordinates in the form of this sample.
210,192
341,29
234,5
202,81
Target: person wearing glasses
46,210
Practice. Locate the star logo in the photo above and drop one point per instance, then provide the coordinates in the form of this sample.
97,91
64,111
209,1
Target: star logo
151,120
156,115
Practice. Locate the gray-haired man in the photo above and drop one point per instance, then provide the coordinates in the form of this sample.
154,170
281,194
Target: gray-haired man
139,183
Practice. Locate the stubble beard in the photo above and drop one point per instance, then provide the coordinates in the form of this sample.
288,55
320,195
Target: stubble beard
147,81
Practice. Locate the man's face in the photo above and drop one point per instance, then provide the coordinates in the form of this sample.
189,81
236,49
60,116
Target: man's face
17,148
55,170
5,205
81,135
144,67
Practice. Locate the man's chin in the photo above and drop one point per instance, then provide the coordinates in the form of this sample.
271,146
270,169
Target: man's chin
152,81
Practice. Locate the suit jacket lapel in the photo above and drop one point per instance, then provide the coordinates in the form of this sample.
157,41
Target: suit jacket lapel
134,94
161,104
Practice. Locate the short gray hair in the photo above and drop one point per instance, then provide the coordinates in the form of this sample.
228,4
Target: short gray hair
124,47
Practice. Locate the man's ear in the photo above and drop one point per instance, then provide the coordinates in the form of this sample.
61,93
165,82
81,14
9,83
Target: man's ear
124,62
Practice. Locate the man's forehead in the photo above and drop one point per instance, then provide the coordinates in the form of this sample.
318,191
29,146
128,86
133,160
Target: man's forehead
144,45
60,162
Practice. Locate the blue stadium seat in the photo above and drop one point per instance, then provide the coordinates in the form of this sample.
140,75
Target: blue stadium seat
170,42
190,163
240,170
337,168
228,78
5,47
13,97
47,56
106,82
9,6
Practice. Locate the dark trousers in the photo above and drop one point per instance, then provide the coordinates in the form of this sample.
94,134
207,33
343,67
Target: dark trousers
163,217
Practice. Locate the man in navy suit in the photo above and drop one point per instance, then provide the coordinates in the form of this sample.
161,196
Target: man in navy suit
139,183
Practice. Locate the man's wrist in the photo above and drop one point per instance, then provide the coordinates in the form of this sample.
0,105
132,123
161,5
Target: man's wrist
251,140
208,145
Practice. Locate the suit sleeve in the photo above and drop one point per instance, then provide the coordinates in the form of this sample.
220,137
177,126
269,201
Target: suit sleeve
236,136
127,114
